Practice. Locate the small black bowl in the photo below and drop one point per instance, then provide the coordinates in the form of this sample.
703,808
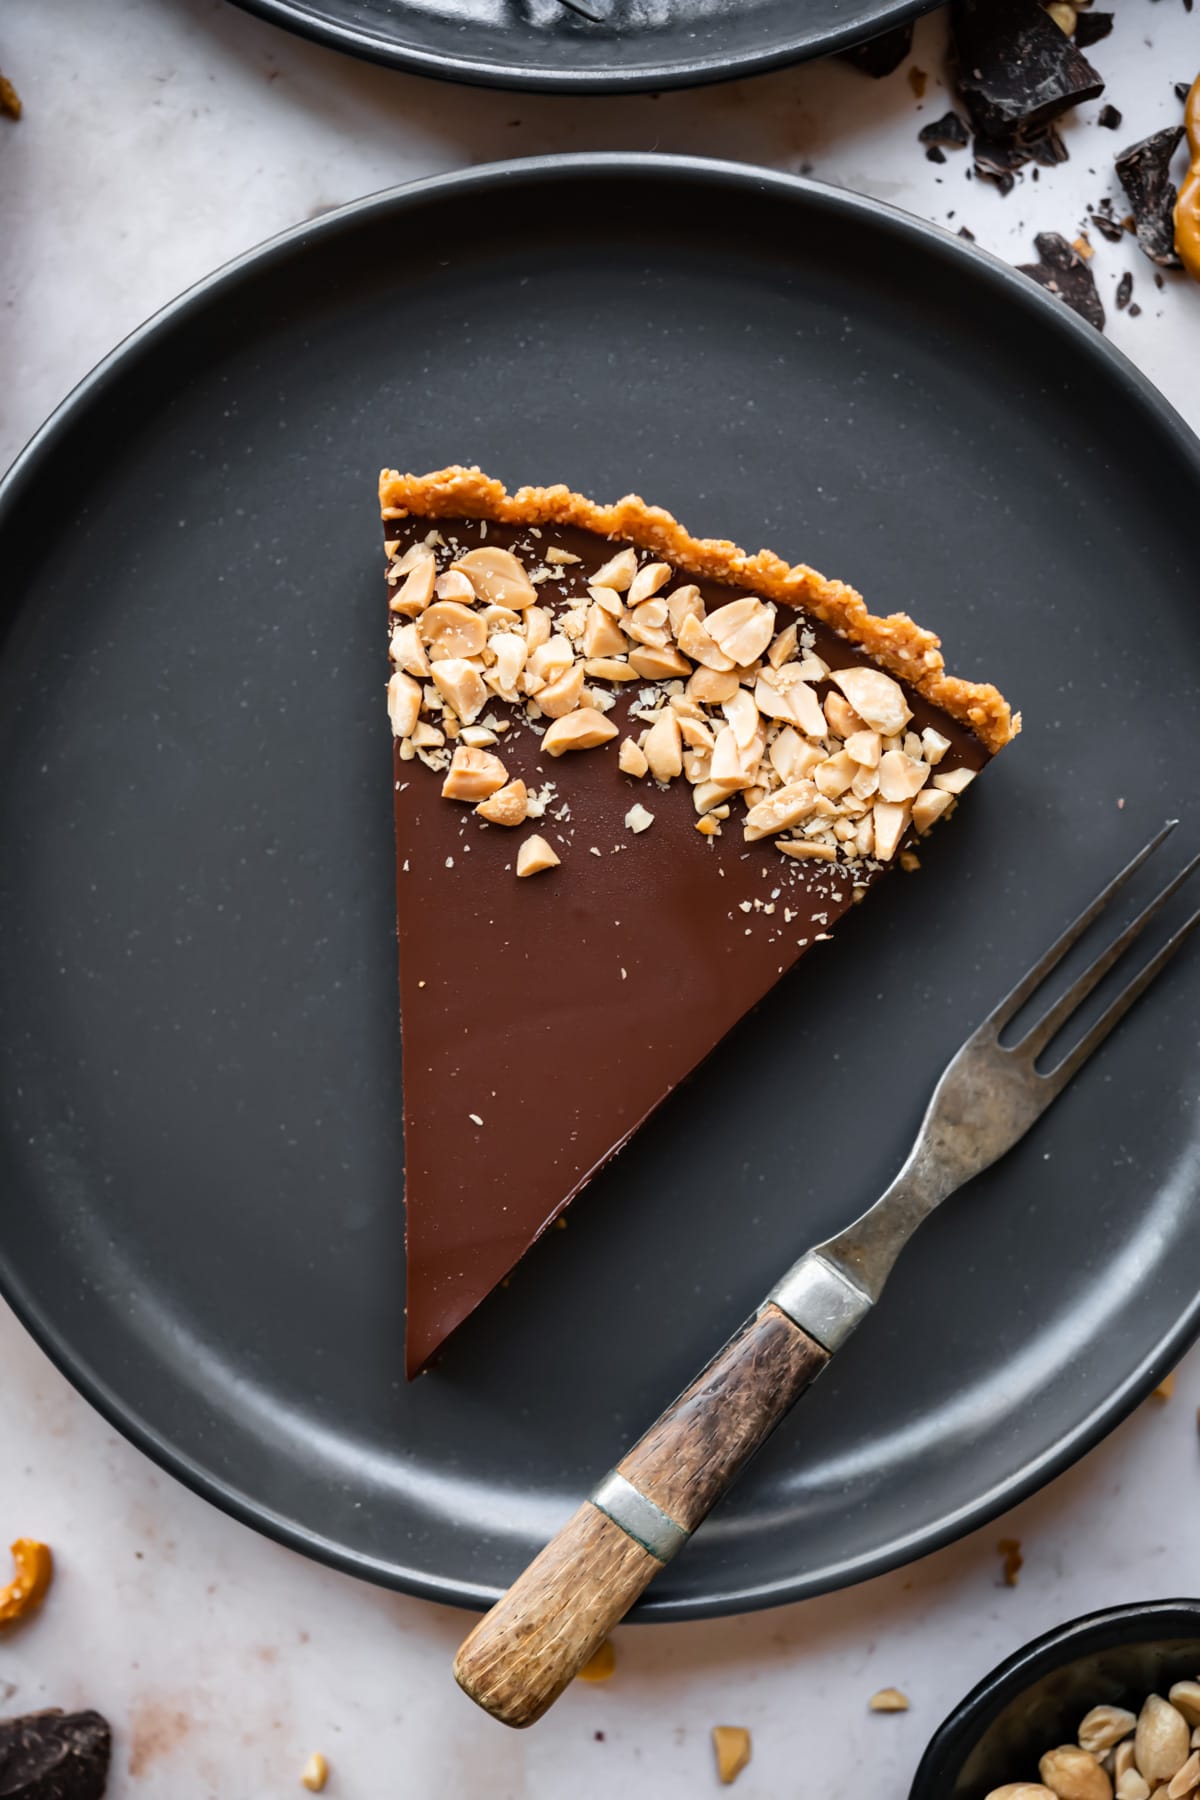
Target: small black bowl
1035,1700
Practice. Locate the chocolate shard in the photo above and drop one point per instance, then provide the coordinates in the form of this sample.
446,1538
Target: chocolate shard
881,55
948,133
1110,118
54,1756
1144,174
1047,148
1107,226
1062,271
998,160
1124,291
1090,27
1016,69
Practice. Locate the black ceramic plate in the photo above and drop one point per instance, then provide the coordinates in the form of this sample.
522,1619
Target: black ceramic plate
200,1146
626,46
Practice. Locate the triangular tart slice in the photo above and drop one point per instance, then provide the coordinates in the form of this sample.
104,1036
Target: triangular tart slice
637,775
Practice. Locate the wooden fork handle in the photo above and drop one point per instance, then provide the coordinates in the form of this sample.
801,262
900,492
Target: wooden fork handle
535,1640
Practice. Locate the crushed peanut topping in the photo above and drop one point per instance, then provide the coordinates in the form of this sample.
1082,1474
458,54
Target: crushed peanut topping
535,855
824,763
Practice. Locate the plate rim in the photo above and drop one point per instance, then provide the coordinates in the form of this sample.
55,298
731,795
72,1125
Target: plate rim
679,72
41,449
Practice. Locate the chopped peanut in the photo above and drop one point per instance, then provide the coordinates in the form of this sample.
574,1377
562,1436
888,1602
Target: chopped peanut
731,1746
535,855
582,729
507,806
473,775
496,575
631,759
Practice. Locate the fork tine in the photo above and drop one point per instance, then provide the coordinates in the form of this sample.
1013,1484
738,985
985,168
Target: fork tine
1012,1002
1071,1065
1036,1040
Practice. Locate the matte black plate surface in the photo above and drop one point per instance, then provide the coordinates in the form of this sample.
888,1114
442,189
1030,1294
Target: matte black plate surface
547,44
200,1145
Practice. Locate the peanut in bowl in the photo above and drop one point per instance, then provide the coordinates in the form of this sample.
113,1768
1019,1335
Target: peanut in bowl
1084,1711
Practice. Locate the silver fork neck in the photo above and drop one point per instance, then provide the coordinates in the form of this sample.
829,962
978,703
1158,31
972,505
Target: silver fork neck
835,1284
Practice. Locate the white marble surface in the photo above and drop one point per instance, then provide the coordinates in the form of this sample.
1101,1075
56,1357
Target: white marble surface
162,137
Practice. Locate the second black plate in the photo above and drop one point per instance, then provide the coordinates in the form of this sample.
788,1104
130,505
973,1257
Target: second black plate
200,1145
626,46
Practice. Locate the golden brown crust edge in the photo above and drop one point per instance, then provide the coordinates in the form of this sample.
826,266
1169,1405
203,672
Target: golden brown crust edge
899,645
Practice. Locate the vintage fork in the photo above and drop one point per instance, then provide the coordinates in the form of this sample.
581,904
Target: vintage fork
521,1656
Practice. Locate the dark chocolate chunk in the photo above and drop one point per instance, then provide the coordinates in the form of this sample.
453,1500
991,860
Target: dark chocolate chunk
881,55
1135,311
949,132
1144,173
1107,226
1109,117
1016,69
1158,280
934,154
964,231
1182,90
998,161
1090,27
1124,291
1064,272
54,1756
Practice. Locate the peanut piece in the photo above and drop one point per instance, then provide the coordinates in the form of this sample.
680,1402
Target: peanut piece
608,668
408,652
1185,1698
451,629
783,647
638,819
507,806
659,664
404,703
617,572
582,729
1073,1774
631,759
1185,1780
453,585
1162,1740
712,687
900,778
602,636
731,1746
889,1700
742,629
662,747
473,775
802,848
649,578
315,1773
415,593
509,649
841,717
891,822
786,807
496,575
695,641
560,697
534,856
681,602
876,698
1103,1727
461,686
954,781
